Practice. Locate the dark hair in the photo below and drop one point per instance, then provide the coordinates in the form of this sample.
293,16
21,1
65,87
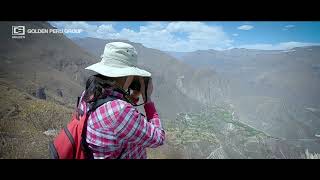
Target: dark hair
95,86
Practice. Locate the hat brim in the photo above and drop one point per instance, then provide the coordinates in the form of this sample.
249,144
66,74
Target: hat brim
111,71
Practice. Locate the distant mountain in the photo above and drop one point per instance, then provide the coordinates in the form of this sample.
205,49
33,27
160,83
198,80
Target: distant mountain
177,55
202,58
275,91
49,61
261,81
295,69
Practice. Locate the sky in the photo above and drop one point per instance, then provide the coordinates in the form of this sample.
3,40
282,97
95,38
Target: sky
187,36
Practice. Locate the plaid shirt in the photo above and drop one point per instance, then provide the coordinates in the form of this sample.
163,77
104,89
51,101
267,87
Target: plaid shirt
117,127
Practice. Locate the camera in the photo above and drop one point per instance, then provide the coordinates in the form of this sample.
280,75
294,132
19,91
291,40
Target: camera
135,85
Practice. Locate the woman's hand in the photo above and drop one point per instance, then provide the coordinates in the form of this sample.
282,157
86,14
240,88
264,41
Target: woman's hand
135,94
147,98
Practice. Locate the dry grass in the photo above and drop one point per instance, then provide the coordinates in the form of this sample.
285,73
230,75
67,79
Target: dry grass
166,151
23,119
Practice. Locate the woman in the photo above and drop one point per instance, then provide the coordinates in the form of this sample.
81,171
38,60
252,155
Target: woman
117,129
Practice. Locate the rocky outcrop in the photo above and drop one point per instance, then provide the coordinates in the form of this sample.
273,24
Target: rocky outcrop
40,93
59,92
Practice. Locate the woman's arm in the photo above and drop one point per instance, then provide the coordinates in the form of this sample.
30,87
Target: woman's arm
133,127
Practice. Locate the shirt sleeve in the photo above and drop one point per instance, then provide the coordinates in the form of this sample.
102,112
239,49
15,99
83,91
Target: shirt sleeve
134,128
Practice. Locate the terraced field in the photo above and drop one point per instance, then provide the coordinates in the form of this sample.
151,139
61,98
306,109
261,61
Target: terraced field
214,133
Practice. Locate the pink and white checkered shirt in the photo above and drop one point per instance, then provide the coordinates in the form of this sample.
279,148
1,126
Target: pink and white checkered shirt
117,125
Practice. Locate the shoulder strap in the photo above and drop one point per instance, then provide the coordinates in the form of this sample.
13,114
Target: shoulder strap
100,102
78,101
92,108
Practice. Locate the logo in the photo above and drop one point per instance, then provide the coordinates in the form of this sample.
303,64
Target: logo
18,32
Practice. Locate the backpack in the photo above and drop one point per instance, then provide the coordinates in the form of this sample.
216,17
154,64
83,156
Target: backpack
71,141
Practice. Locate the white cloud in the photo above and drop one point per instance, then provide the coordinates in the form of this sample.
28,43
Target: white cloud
245,27
173,36
102,30
279,46
287,27
105,29
176,36
75,25
97,31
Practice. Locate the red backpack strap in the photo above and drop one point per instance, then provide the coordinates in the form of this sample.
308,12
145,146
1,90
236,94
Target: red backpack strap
83,124
66,130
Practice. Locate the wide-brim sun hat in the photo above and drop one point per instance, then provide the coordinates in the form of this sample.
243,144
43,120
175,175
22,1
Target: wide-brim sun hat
119,59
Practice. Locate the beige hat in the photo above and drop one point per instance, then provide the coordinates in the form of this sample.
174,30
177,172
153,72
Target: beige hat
119,59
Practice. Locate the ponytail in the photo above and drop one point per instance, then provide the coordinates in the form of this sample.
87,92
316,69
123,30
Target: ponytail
95,86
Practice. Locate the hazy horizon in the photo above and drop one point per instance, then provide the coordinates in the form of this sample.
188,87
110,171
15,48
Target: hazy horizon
182,36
